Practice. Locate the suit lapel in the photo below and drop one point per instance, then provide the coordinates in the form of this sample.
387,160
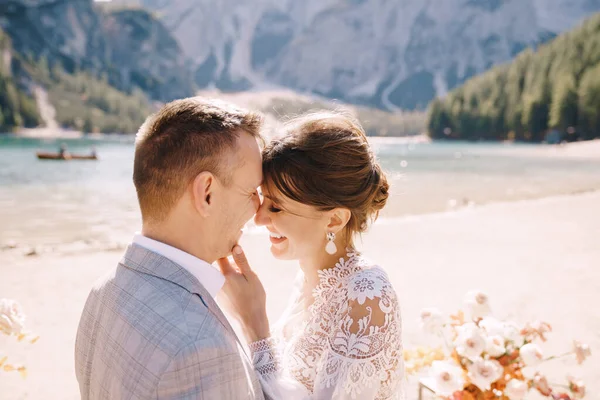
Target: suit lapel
140,259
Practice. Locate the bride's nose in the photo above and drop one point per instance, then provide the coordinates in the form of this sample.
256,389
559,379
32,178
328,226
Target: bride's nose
261,217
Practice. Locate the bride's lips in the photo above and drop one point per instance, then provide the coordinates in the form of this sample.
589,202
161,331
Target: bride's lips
276,238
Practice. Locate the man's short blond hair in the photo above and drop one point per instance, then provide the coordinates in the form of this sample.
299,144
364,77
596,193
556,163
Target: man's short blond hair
181,140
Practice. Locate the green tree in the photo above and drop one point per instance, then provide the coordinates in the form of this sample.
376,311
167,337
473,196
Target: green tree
555,86
589,103
88,125
439,120
563,111
535,118
29,111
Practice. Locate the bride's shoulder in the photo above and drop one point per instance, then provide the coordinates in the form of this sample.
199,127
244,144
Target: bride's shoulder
369,277
352,270
364,267
370,273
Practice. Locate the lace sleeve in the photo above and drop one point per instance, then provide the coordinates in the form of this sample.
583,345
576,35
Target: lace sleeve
364,360
267,363
265,356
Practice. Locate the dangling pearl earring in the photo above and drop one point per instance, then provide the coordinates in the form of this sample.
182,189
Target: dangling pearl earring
331,248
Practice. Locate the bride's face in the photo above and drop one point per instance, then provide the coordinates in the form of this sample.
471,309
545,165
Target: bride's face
297,230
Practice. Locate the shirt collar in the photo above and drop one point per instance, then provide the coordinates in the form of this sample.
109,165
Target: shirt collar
208,276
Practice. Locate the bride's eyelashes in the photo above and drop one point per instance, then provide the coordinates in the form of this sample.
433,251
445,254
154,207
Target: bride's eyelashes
274,209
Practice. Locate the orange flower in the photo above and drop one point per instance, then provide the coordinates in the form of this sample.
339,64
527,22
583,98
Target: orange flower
458,318
468,396
463,395
509,359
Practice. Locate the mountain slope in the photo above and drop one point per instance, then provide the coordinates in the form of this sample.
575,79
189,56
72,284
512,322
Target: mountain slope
556,90
17,106
73,100
130,47
384,53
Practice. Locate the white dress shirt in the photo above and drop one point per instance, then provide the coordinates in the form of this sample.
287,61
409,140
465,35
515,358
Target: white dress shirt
210,277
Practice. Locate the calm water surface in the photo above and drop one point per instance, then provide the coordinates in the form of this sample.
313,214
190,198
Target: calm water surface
56,202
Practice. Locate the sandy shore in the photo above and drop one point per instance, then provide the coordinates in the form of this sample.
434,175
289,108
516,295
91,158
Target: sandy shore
536,259
584,149
49,133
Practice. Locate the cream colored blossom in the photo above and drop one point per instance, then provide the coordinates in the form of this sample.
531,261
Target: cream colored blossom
495,346
12,319
492,326
483,373
447,378
516,389
531,354
470,342
477,305
512,332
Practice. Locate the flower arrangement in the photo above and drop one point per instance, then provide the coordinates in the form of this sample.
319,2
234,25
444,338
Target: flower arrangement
12,323
485,358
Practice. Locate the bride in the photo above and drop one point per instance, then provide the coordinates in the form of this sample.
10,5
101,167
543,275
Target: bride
340,336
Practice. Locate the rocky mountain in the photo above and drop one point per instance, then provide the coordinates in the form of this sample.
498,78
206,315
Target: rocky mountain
130,47
388,53
146,56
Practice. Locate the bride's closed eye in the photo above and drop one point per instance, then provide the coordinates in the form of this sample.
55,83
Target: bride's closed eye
274,209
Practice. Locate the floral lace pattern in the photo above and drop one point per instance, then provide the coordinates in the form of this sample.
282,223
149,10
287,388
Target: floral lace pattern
264,356
347,344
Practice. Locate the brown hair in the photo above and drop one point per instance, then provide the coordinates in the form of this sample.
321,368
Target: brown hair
181,140
324,160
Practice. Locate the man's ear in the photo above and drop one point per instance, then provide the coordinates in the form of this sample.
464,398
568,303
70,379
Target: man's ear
203,192
338,219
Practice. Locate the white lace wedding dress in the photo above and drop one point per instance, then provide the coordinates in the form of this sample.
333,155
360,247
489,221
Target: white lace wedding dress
342,341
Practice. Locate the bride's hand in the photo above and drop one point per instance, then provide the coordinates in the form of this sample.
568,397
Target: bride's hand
243,296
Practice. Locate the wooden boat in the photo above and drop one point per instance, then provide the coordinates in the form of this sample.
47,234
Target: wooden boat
57,156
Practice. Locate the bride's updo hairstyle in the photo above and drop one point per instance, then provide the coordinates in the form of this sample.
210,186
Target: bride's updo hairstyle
324,160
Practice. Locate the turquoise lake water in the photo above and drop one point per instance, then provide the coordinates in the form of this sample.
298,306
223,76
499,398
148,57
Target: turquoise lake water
55,202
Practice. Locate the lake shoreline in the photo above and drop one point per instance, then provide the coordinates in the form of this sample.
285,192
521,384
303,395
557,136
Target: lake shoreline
14,250
579,149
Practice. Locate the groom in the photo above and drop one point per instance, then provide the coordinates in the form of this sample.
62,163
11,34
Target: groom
151,328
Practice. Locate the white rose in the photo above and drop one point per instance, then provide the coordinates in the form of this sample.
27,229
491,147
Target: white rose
492,326
516,389
447,377
431,320
477,305
512,333
483,373
531,354
12,319
495,346
470,342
